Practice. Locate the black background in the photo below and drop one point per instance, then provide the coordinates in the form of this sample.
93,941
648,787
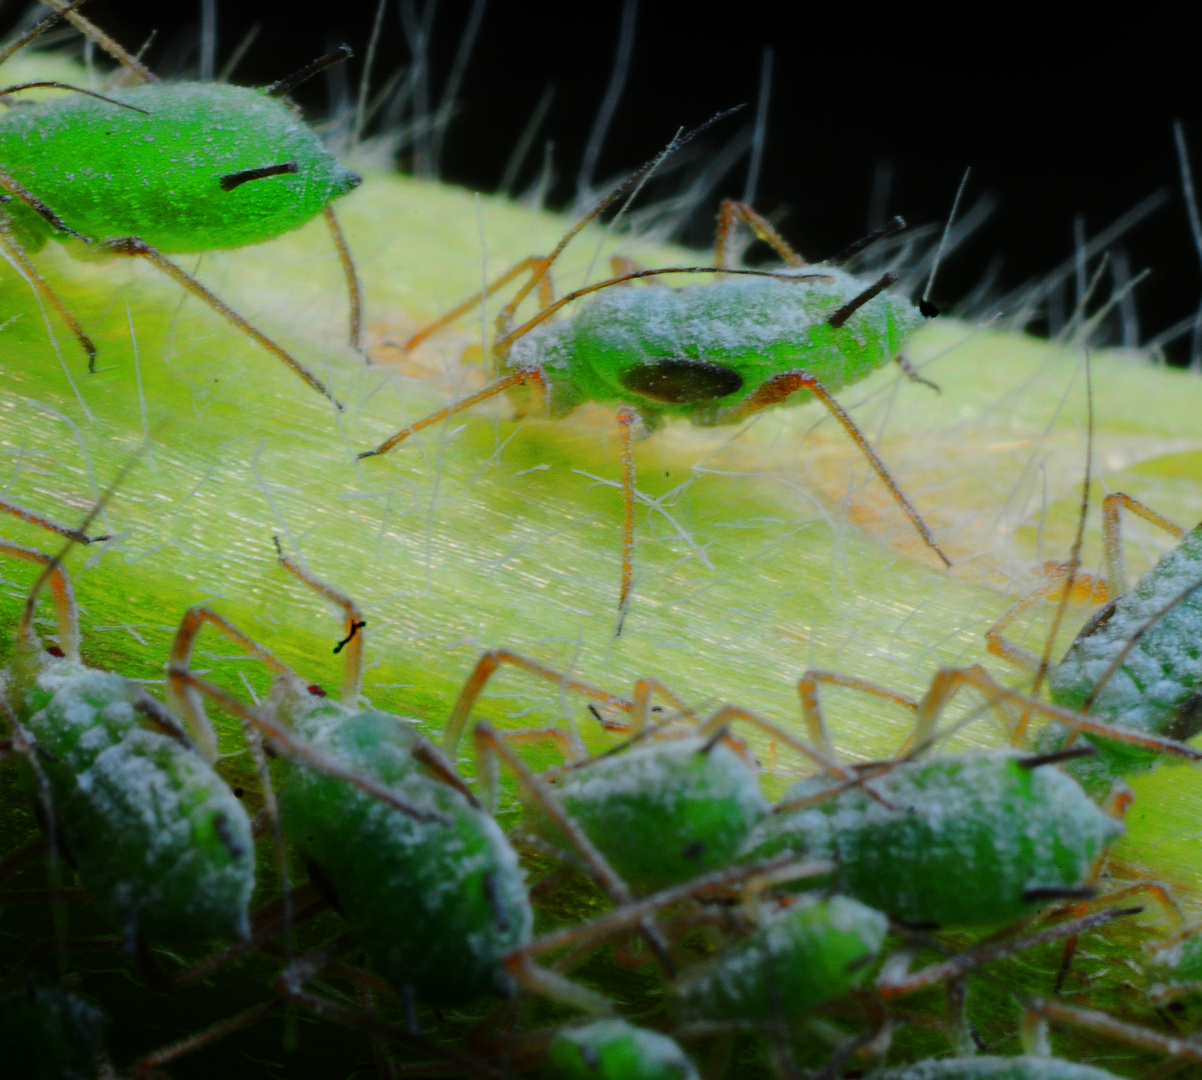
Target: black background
1058,114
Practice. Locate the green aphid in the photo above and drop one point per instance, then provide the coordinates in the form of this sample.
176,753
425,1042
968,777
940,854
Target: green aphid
617,1050
812,952
156,836
49,1034
1176,969
429,884
714,352
1137,663
987,1067
165,169
977,839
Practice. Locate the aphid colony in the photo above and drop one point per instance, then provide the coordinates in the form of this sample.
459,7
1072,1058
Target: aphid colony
794,925
787,929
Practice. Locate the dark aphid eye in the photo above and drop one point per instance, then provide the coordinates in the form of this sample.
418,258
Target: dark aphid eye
236,179
54,650
928,310
681,382
315,690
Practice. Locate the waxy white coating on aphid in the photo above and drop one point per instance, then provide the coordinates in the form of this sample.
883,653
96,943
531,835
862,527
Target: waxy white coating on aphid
1162,672
616,1050
157,836
667,810
756,327
984,1067
952,841
813,951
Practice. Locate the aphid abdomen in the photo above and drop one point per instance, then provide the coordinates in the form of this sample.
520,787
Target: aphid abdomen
49,1034
665,813
617,1050
158,839
812,952
435,905
986,1067
969,840
109,171
1156,686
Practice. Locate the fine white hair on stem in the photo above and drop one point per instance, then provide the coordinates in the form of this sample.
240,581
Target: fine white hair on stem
133,340
1195,225
882,189
926,293
208,40
417,36
1120,268
1081,264
365,78
450,90
609,104
235,58
525,141
761,129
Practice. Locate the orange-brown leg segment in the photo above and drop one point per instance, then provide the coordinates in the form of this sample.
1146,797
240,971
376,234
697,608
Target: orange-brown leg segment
354,293
15,252
811,707
147,1065
535,264
518,378
626,421
1181,1049
132,246
48,524
1116,559
779,387
65,609
732,210
352,645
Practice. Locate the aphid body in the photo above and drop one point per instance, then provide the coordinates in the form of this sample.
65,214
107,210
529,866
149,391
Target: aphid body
156,836
616,1050
964,840
48,1034
811,952
174,169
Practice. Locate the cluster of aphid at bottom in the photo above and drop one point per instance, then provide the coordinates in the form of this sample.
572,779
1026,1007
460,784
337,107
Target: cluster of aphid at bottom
810,912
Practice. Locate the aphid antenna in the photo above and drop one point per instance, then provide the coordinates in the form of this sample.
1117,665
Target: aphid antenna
284,86
94,34
52,85
38,29
892,227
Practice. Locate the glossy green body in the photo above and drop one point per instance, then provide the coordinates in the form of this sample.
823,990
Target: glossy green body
749,327
666,811
952,841
156,836
812,952
435,905
987,1067
49,1034
1158,687
616,1050
108,171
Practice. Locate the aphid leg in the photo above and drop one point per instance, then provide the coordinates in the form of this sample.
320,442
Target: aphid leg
626,420
93,33
779,387
1116,559
811,707
17,254
729,714
7,183
1037,1010
65,609
354,293
490,745
732,210
48,524
487,665
352,645
535,264
133,246
145,1066
893,983
183,698
1086,590
517,378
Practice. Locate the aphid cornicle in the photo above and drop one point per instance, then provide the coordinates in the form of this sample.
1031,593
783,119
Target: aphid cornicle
716,352
1137,662
165,169
157,837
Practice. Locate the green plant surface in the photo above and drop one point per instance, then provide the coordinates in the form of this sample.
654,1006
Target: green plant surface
762,550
